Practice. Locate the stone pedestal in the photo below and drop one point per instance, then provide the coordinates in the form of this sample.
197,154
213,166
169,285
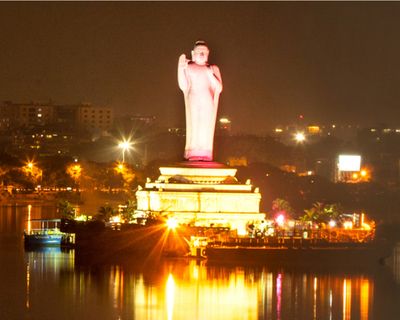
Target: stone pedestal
201,194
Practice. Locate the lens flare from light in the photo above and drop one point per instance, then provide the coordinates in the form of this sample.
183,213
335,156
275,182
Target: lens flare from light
172,223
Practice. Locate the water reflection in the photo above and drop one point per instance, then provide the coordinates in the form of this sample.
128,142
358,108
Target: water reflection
55,284
186,289
395,262
45,264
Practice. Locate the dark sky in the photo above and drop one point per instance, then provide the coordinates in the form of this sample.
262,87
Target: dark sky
331,61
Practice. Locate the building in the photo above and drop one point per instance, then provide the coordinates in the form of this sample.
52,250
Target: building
33,114
95,118
27,114
201,195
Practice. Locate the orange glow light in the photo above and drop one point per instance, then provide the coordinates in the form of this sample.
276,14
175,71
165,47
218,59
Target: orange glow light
363,173
299,137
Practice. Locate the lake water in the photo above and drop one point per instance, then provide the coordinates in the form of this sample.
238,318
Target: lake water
52,284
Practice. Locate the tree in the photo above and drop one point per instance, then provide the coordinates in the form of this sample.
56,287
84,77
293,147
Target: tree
333,211
66,210
128,212
322,213
105,213
309,215
282,206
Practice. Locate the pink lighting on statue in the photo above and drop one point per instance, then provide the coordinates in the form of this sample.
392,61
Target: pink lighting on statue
201,84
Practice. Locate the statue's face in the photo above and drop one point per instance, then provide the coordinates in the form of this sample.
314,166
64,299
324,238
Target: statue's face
200,54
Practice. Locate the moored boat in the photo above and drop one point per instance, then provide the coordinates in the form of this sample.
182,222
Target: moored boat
327,254
46,232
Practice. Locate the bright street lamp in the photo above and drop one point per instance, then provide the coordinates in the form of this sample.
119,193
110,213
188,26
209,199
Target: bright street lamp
299,137
120,167
124,145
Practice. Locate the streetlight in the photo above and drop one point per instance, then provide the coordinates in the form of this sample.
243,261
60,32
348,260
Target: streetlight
124,145
29,167
32,170
75,171
299,137
120,167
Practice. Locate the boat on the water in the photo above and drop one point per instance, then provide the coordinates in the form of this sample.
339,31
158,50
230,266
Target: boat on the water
351,255
46,232
290,251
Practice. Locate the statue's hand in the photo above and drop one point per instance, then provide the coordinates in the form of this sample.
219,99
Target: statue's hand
183,62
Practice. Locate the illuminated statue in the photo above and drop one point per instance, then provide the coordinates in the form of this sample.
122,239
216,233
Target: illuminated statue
201,84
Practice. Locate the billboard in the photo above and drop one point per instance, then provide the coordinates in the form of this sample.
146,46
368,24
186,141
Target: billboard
349,162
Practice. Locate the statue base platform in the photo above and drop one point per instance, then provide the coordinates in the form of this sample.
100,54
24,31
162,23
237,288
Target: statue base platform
201,193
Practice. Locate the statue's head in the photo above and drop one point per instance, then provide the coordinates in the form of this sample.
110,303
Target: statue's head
200,52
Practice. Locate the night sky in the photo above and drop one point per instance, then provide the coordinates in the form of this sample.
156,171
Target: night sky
333,62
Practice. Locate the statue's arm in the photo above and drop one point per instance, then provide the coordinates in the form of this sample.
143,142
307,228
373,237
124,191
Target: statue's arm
215,78
183,80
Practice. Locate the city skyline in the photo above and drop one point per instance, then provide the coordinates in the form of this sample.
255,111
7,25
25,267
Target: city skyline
330,62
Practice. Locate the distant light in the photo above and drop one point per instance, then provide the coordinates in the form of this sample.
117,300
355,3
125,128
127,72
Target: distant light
241,231
115,219
366,226
332,223
314,129
125,145
363,173
355,176
349,162
224,120
39,115
348,225
299,137
120,167
334,126
278,130
280,220
172,223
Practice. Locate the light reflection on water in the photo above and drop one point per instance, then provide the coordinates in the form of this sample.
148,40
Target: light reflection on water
187,289
52,283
